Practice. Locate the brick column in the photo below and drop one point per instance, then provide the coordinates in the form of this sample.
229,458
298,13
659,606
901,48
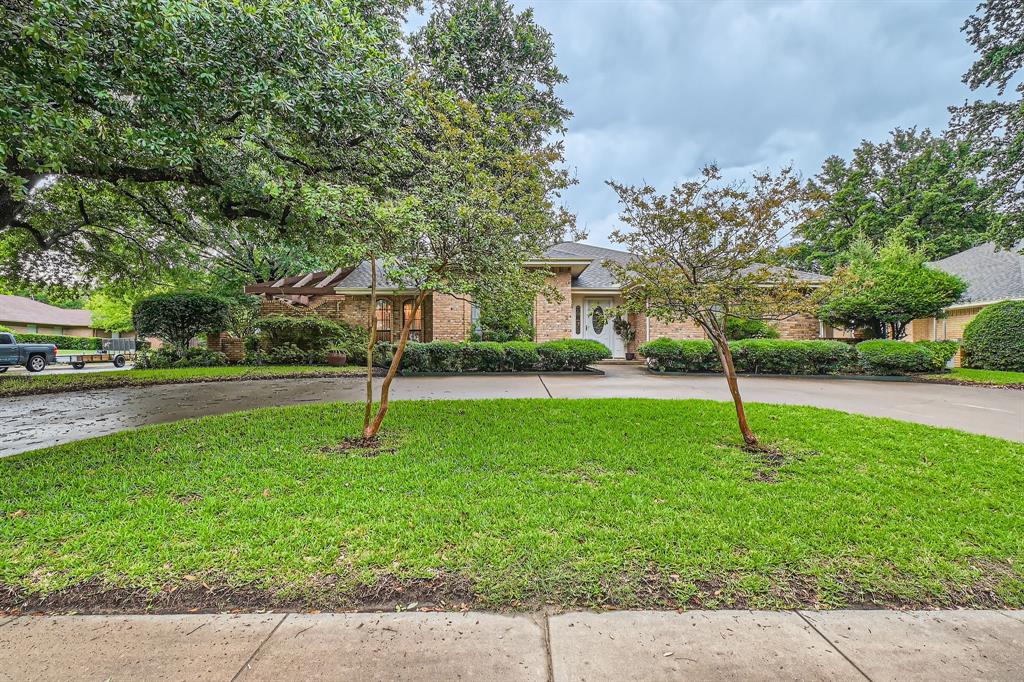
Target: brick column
554,319
450,317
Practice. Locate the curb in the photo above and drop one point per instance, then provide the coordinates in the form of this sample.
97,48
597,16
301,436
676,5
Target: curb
847,377
589,370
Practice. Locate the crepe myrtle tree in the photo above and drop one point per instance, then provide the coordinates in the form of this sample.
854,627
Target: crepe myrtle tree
706,252
477,208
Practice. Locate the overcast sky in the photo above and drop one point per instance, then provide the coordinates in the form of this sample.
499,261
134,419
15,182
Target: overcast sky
659,88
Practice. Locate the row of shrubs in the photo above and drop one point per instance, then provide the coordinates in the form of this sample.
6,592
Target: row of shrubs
63,342
771,356
491,356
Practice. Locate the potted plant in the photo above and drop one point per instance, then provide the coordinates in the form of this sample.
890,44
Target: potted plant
337,356
626,332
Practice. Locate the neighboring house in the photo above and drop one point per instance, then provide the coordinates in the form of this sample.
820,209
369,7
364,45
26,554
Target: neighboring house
992,275
588,289
27,316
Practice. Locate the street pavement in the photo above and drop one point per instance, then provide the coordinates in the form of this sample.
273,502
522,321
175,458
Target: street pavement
619,645
31,422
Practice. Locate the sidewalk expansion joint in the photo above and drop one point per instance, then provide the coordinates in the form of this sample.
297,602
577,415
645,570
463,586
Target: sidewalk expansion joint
548,390
547,647
8,620
252,657
833,645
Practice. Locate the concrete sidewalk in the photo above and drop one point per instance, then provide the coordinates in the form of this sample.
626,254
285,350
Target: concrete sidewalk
697,645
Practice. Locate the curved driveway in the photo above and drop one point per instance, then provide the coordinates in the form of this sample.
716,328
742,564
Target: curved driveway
31,422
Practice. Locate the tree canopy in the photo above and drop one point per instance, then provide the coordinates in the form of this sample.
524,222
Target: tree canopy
995,128
927,190
886,288
139,134
708,252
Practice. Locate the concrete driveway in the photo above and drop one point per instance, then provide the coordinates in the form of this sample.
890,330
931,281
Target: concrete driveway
32,422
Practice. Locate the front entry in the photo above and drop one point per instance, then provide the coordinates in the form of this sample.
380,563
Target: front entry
595,325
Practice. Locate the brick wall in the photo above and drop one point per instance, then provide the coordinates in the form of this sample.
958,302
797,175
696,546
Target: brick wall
949,328
798,328
553,319
673,330
232,346
451,318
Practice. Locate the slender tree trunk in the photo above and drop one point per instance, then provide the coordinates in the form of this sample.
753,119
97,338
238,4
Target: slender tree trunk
371,326
725,355
385,386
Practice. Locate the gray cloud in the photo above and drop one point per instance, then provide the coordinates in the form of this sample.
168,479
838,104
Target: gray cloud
660,88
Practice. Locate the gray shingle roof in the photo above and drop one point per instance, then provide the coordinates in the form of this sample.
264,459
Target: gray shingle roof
991,274
360,276
597,276
29,311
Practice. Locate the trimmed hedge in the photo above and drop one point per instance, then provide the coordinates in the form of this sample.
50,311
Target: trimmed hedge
995,338
571,354
490,356
752,356
63,342
668,355
885,357
942,351
772,356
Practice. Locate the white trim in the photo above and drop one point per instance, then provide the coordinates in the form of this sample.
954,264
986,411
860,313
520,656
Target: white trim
366,292
558,261
596,291
979,304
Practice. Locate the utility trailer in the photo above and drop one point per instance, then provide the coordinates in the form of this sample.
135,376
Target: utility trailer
115,351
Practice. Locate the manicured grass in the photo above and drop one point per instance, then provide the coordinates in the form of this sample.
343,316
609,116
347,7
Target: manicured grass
632,503
72,380
980,376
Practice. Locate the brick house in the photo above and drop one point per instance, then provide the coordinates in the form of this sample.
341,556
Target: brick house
28,316
587,289
992,275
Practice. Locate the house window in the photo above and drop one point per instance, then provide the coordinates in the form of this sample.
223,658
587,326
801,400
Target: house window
384,319
33,328
579,320
416,329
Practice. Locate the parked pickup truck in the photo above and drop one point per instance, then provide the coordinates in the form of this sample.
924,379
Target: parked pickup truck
33,356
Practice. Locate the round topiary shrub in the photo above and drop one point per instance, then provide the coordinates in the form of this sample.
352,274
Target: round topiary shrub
995,338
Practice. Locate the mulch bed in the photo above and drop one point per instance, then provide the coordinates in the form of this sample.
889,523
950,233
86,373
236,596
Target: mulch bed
976,384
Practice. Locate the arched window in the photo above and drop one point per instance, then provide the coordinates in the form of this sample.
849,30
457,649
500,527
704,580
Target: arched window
383,319
416,330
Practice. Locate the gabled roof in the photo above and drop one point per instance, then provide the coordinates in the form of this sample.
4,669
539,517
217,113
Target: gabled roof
28,311
597,276
991,274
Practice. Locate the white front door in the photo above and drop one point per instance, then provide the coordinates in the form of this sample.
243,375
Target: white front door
595,325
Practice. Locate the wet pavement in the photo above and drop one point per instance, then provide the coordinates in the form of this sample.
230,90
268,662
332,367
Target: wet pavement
31,422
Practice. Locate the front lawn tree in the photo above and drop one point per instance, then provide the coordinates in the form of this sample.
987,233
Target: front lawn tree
477,207
706,252
159,131
884,289
179,317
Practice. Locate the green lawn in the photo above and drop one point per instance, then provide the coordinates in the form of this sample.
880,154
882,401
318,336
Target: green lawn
520,503
72,380
980,376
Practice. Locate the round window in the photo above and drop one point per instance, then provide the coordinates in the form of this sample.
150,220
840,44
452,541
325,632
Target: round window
597,319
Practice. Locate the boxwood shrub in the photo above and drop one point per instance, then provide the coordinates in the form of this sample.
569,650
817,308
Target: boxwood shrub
883,357
571,354
63,342
995,338
942,351
753,356
489,356
772,356
668,355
